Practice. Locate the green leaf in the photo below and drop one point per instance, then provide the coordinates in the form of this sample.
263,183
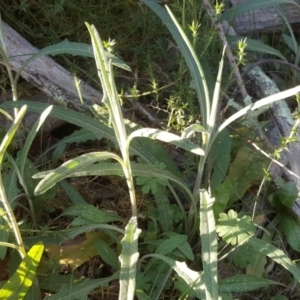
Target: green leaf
291,230
222,195
255,46
166,213
71,166
274,253
92,214
192,278
128,258
18,285
152,184
167,246
289,41
81,291
220,157
141,170
144,148
190,130
244,283
209,245
234,230
242,256
72,193
107,253
30,138
73,48
170,244
168,137
288,193
247,166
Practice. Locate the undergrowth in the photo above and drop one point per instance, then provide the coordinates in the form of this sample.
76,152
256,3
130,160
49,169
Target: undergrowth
120,210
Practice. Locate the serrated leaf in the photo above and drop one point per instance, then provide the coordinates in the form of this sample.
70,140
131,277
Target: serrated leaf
222,195
234,230
244,283
128,258
292,231
92,214
165,211
18,285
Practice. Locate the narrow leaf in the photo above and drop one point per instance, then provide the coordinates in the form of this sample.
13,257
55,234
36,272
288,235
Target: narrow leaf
276,254
71,166
105,169
143,148
107,253
29,140
292,231
19,284
81,291
73,48
209,245
244,283
92,213
167,137
192,278
128,258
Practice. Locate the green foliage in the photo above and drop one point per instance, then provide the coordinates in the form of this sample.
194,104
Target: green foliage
234,230
19,283
152,184
285,196
175,233
291,230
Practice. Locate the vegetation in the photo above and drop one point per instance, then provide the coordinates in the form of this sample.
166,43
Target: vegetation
109,211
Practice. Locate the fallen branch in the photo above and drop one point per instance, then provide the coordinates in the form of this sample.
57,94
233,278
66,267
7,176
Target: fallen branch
45,74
